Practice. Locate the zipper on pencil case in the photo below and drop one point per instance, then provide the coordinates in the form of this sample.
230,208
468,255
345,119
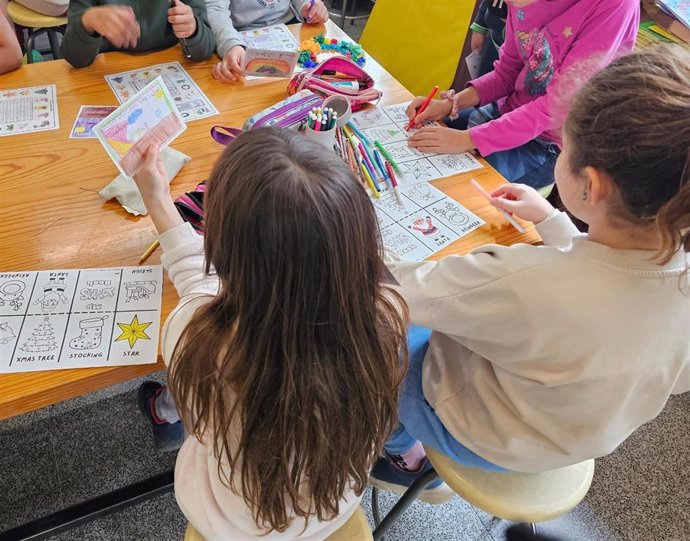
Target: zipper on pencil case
286,108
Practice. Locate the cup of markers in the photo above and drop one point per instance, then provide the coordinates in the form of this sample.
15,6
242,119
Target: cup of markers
321,125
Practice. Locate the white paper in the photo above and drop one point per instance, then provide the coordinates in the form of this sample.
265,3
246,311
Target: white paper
190,101
274,38
473,60
387,125
428,222
79,318
28,110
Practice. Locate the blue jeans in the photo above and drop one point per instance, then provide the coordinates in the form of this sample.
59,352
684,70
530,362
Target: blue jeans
418,420
532,163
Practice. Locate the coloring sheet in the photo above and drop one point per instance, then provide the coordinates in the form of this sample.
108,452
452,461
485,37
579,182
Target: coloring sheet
428,222
274,38
87,118
147,117
79,318
190,101
28,110
267,63
387,125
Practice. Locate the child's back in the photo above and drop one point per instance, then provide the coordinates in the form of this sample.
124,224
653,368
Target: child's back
285,350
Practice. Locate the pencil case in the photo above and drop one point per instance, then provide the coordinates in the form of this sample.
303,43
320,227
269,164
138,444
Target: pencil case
328,78
191,207
288,113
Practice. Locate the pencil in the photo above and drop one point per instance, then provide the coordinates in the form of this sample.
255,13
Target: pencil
423,107
388,157
149,251
487,196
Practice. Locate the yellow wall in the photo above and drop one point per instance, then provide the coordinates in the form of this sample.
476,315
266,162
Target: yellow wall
418,41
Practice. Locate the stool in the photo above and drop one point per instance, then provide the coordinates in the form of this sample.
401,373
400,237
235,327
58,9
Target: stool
518,497
345,17
355,529
38,24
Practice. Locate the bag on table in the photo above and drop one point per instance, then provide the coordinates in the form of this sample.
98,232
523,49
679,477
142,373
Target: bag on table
338,76
288,113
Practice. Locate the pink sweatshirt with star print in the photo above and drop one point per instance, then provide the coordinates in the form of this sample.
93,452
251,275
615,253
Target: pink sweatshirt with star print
544,40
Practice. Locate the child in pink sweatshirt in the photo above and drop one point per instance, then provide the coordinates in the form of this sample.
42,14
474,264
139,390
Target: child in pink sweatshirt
516,126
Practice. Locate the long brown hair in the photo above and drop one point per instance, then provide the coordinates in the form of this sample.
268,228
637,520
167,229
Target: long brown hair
293,369
632,120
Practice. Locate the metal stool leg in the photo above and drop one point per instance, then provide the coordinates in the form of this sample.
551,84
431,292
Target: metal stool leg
54,46
403,503
343,14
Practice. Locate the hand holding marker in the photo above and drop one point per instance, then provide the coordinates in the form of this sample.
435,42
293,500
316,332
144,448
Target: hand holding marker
423,107
487,196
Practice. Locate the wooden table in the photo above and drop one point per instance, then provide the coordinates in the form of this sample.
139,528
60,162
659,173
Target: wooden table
53,217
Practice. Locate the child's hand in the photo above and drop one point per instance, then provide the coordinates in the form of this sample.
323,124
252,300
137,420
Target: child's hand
151,179
436,110
115,23
441,140
182,19
523,201
317,14
230,68
477,41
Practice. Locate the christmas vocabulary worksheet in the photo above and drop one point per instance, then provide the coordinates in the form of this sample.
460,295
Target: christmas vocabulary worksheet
79,318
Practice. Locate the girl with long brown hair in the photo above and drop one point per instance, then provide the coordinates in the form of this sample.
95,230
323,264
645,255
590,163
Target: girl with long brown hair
286,350
545,356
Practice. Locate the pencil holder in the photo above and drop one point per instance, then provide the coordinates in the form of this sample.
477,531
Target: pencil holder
325,137
340,105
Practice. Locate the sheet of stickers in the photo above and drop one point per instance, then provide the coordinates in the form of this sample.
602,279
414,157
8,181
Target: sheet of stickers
190,101
79,318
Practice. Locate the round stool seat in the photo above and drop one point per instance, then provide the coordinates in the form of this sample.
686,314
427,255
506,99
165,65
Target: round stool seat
355,529
24,16
518,497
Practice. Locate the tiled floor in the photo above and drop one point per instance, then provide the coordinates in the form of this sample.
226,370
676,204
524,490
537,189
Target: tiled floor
87,446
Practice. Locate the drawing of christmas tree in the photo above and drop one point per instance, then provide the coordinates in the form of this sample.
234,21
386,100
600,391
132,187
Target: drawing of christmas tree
42,338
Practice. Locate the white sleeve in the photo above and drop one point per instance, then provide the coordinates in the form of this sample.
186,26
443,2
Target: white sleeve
557,230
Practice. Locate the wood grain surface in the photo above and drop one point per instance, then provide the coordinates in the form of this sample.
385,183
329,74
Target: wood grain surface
53,218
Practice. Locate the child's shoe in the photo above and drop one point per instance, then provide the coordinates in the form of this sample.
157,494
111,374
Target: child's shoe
166,436
390,474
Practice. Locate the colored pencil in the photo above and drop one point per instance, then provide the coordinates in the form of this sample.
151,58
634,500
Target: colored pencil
311,6
487,196
423,107
149,251
394,182
388,157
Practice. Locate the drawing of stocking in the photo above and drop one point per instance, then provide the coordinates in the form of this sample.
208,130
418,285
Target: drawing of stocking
91,334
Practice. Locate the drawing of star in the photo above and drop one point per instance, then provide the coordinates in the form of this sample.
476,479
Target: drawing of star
418,169
568,31
133,332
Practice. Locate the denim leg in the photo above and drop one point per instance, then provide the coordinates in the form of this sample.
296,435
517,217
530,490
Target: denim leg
166,410
418,421
473,116
532,163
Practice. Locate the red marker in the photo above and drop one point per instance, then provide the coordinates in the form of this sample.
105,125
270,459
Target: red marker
426,103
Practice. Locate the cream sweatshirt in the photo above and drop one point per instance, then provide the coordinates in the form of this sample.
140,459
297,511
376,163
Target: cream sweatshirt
214,510
545,356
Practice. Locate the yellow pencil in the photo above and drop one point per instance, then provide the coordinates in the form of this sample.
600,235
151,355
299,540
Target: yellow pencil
149,251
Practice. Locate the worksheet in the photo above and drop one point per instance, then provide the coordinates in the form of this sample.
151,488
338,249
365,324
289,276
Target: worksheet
79,318
190,101
387,125
274,38
87,118
268,63
427,222
147,117
28,110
